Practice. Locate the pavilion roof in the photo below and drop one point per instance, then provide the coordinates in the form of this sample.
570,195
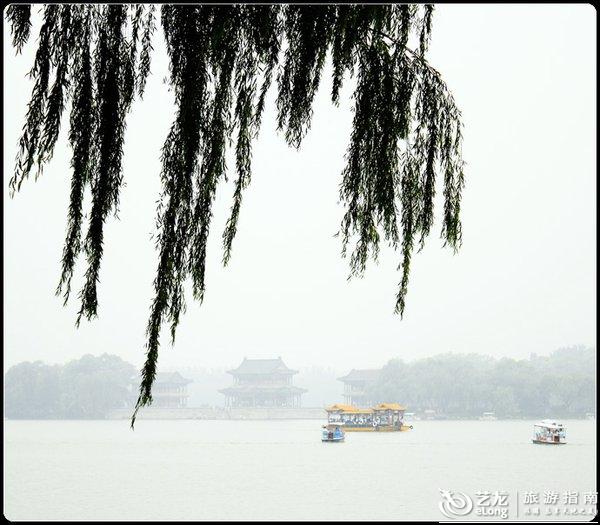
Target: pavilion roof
172,378
262,367
163,378
365,374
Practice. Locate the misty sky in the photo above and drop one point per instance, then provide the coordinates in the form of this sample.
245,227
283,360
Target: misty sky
524,281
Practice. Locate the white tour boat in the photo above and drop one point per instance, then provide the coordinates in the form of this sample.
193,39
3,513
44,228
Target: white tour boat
549,432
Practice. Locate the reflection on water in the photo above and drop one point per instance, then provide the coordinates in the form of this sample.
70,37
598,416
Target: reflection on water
276,469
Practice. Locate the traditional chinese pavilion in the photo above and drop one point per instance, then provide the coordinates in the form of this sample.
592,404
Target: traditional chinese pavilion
356,386
169,390
263,383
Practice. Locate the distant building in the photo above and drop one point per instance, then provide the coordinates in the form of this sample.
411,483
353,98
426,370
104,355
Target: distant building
262,383
356,387
168,391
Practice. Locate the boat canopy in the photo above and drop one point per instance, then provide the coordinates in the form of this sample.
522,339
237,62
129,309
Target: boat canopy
349,409
339,407
389,406
547,423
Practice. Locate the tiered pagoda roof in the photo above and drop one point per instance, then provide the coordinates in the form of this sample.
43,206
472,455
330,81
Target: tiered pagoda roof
171,378
262,367
365,374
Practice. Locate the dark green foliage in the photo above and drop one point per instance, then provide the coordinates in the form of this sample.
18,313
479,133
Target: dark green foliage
81,135
114,82
18,16
406,129
308,33
145,52
29,143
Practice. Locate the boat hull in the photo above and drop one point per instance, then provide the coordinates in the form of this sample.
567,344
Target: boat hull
403,428
540,442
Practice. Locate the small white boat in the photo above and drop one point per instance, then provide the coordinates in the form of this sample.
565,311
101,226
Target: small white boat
488,416
549,432
332,434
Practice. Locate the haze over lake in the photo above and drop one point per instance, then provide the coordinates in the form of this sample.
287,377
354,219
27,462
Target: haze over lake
224,470
506,326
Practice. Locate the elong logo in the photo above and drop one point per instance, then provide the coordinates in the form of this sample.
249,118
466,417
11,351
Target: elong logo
455,504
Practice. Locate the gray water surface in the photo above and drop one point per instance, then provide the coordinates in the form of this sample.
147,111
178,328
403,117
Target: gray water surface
250,470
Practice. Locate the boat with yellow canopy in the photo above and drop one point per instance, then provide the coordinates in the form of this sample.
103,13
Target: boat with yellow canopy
384,417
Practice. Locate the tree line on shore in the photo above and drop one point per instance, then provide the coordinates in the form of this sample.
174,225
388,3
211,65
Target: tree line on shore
453,385
85,388
466,385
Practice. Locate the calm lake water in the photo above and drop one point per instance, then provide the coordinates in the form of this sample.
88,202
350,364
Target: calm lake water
199,470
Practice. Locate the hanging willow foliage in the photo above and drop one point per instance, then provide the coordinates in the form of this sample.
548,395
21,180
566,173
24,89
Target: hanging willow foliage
223,58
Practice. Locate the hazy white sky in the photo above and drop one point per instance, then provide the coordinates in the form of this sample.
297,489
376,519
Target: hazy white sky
524,281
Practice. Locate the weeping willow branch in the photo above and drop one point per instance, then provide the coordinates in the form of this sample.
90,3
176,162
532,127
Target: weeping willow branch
405,141
81,136
18,16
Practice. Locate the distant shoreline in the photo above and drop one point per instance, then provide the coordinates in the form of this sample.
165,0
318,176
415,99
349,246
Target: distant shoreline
314,414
